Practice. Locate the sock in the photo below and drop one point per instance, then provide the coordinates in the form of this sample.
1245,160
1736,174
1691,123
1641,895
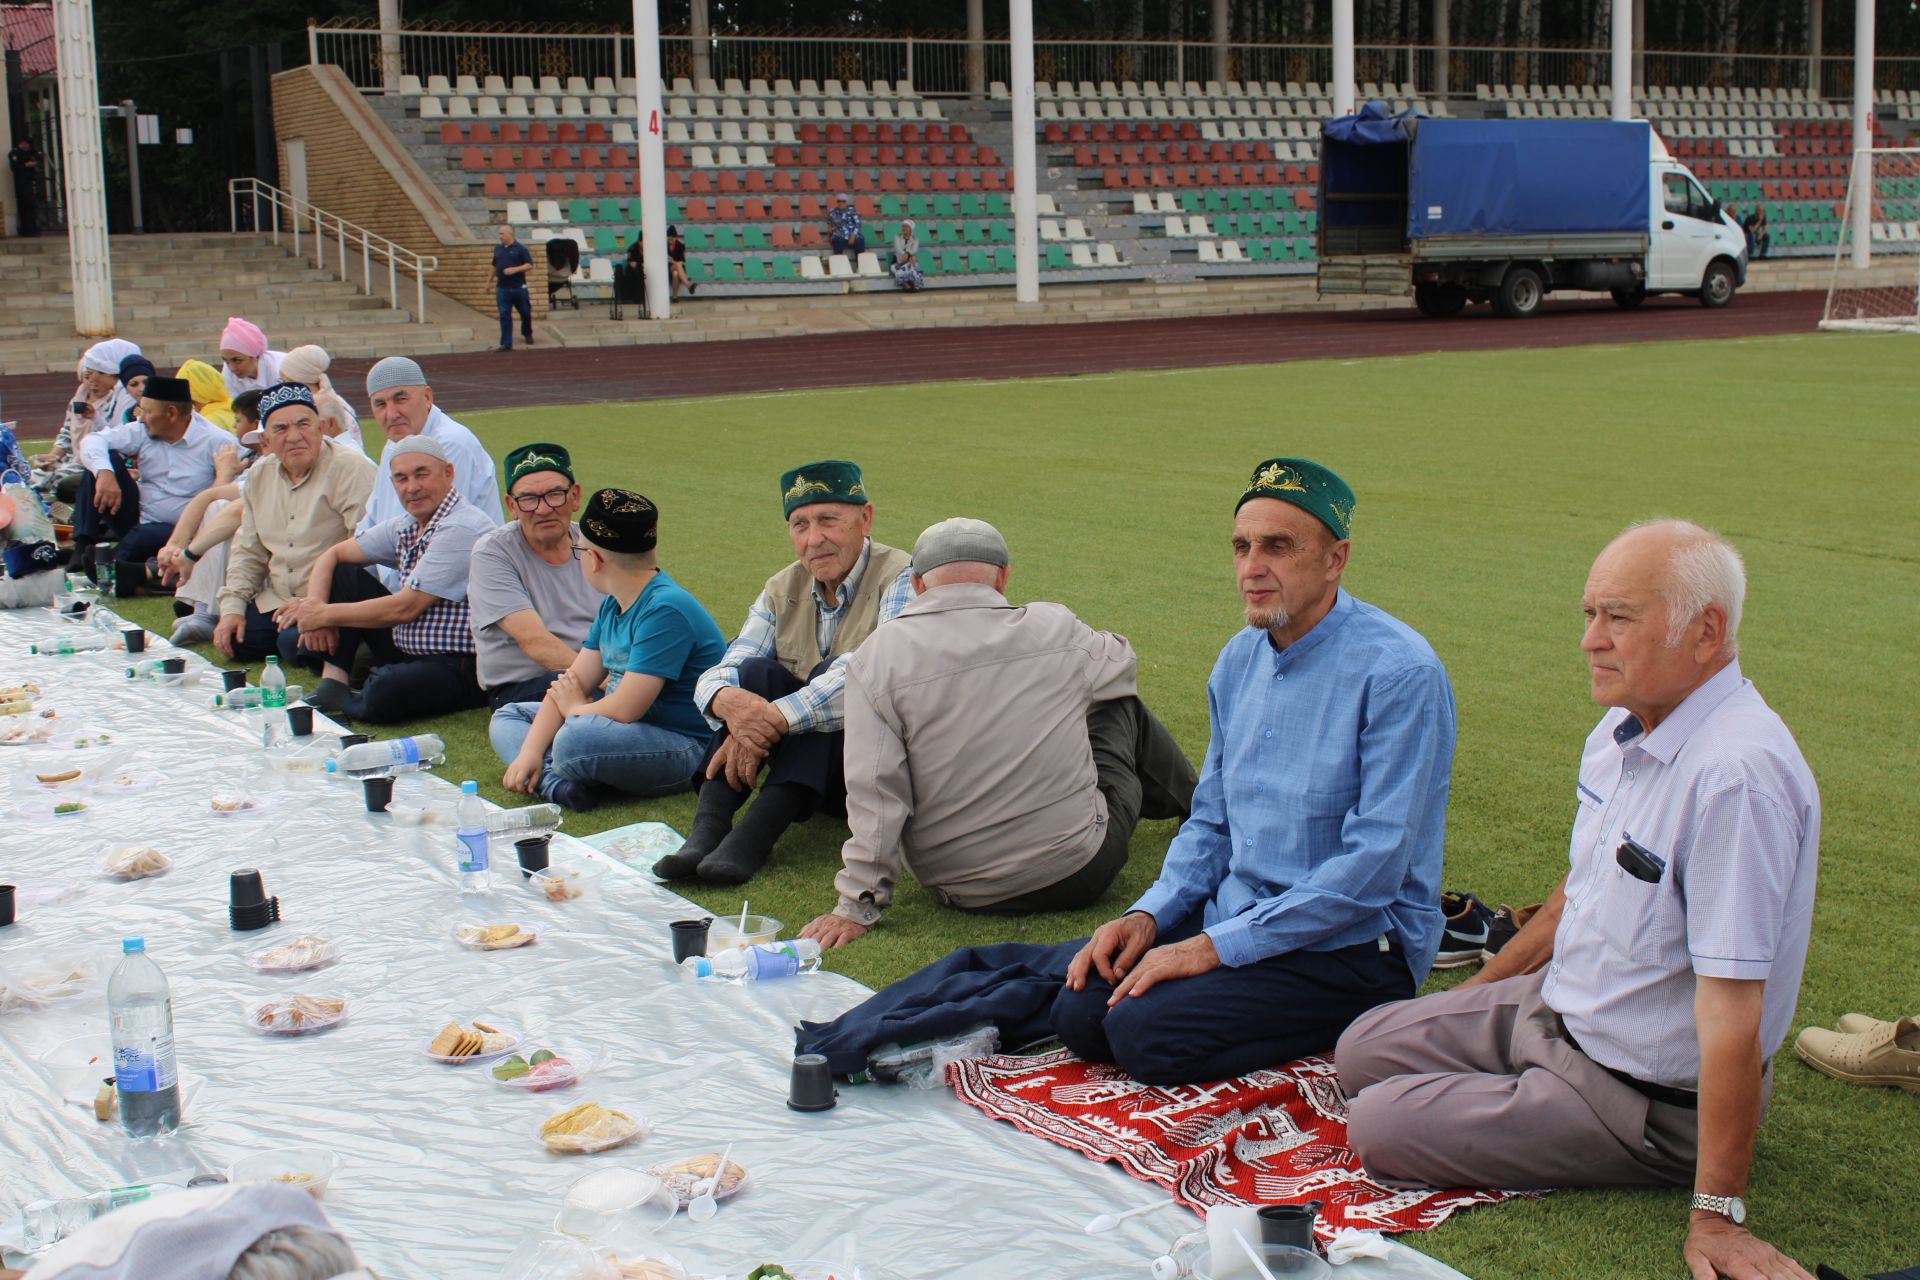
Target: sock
750,843
712,819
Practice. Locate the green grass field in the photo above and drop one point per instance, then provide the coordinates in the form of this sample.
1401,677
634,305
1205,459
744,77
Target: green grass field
1486,484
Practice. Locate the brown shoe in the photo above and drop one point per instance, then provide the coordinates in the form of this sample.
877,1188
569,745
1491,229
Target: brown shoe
1852,1024
1890,1057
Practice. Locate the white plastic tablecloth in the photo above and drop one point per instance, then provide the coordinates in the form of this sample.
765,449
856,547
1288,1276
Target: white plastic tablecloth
442,1174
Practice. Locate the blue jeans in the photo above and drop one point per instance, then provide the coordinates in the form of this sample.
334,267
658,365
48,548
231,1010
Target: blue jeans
508,301
640,759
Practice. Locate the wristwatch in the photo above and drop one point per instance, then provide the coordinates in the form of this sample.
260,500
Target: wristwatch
1732,1208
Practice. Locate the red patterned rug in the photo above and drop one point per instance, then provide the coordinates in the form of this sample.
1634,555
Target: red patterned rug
1273,1137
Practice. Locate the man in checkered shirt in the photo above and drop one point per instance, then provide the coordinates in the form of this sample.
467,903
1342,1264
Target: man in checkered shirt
421,636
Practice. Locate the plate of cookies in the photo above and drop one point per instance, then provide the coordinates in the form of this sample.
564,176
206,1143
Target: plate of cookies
473,1040
296,956
133,862
589,1127
297,1015
503,936
688,1178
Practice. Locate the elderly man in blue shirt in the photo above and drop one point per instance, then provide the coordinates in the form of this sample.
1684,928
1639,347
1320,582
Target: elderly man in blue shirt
1305,888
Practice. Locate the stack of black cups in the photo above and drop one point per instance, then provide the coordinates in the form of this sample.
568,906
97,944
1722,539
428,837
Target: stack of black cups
248,906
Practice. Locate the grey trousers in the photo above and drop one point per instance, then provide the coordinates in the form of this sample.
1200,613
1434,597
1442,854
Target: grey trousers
1479,1087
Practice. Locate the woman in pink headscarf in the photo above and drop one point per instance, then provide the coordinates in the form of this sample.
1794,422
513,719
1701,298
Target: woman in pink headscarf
249,366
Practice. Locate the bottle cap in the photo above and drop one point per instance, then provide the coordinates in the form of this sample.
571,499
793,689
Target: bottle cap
331,765
702,967
133,946
469,788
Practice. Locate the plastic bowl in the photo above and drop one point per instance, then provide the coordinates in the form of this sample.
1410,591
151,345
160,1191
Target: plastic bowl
1284,1261
78,1065
725,932
615,1206
309,1168
566,884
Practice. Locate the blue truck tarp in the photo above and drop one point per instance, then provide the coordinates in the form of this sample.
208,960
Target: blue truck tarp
1490,177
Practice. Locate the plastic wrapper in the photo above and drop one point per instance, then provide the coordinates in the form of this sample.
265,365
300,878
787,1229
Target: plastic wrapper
308,1169
416,815
133,862
35,730
463,1040
122,782
924,1065
480,935
565,884
560,1068
51,982
242,804
297,1015
688,1178
590,1127
297,956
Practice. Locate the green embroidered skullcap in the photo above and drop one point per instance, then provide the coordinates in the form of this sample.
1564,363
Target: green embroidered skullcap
829,481
1307,485
529,458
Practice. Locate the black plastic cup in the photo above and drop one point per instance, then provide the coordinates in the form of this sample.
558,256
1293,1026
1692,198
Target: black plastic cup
533,854
6,905
689,938
136,638
174,666
247,919
244,889
300,720
379,793
234,678
812,1085
1289,1224
353,740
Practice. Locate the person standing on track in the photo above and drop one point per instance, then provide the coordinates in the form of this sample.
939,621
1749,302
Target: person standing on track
511,263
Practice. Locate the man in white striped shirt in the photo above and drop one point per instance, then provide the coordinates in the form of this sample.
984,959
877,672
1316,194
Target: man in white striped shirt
1623,1037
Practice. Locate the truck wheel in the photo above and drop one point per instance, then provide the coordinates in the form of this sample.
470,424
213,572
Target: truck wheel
1628,299
1716,287
1440,300
1521,293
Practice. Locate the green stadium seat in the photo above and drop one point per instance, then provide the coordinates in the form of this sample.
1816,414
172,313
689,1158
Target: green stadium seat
757,270
1237,201
726,270
973,233
698,271
696,238
784,269
605,240
943,233
610,211
1056,258
952,262
997,206
892,207
753,237
1190,202
1213,201
1003,258
725,238
970,207
1000,232
1260,199
979,261
673,209
943,207
579,212
918,207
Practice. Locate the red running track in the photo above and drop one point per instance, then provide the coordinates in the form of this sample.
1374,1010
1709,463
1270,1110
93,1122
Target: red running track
576,375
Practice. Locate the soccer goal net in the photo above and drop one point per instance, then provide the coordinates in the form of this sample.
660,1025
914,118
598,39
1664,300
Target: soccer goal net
1882,295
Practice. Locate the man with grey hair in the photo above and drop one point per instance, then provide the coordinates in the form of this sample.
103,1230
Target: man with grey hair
1671,953
403,404
420,635
1041,819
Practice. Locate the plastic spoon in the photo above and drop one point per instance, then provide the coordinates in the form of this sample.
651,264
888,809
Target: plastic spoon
1108,1221
1253,1257
704,1205
743,922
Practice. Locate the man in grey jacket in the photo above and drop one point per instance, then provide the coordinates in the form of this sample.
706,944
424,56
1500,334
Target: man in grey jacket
999,748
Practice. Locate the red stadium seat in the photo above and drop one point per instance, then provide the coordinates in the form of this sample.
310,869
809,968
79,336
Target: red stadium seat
890,180
566,133
728,181
676,183
472,158
725,210
585,184
695,211
782,181
527,186
450,135
494,184
808,133
756,180
810,237
596,133
508,132
783,238
618,183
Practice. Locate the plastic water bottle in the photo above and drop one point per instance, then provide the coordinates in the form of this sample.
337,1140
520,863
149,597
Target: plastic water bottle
46,1222
529,819
475,875
273,686
395,755
144,669
140,1006
250,698
757,963
67,646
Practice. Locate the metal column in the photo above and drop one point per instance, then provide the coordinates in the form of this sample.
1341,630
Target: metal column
1026,192
700,36
651,131
390,45
1623,59
977,48
1343,57
84,169
1862,133
1816,37
1222,15
1442,48
131,114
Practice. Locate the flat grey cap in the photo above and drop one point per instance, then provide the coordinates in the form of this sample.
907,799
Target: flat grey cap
394,371
419,444
959,540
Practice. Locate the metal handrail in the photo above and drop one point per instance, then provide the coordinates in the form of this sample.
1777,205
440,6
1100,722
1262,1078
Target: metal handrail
303,217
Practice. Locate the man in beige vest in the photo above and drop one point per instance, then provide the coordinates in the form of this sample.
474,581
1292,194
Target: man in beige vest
776,696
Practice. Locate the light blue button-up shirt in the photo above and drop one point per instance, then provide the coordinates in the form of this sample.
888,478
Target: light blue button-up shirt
1322,804
170,474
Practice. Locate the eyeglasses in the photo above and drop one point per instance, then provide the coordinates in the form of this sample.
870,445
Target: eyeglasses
576,550
553,499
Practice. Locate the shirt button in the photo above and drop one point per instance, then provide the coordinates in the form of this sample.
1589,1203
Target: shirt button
1267,734
1629,775
1249,842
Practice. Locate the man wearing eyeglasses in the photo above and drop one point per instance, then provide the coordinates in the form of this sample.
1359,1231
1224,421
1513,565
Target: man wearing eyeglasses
531,608
306,496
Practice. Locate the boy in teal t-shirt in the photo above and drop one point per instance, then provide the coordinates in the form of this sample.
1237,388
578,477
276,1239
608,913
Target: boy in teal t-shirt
647,647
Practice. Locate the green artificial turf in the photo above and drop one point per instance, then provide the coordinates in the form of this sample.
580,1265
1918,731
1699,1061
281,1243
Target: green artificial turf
1486,484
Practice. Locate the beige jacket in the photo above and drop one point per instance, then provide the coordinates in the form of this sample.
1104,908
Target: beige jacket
967,750
285,525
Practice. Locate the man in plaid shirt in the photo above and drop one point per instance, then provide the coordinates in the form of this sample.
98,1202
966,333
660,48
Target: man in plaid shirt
776,696
421,637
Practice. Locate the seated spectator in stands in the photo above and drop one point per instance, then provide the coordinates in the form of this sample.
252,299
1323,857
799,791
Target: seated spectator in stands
420,635
250,365
304,496
1305,888
134,372
677,262
1041,822
173,447
1759,239
530,605
843,226
1625,1036
906,258
99,401
640,734
637,255
194,561
308,366
403,405
210,398
776,696
246,1231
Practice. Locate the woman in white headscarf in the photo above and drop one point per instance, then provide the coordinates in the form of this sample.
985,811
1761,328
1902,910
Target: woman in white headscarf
906,258
99,401
308,365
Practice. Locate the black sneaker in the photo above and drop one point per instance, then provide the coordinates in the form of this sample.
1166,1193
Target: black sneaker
1506,922
329,697
577,796
1468,925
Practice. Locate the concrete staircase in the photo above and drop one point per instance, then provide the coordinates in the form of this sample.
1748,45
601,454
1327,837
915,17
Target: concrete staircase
173,293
